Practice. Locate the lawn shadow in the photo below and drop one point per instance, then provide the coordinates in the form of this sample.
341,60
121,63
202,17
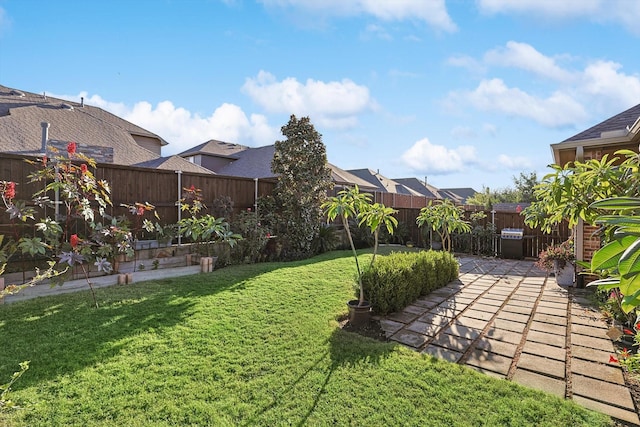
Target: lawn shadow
64,333
348,349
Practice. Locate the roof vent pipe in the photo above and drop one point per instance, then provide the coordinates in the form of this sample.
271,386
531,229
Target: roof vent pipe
82,101
45,136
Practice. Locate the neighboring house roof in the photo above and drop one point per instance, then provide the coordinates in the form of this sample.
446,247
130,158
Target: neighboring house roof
255,162
382,183
459,195
215,148
621,123
174,163
251,163
20,130
421,187
344,178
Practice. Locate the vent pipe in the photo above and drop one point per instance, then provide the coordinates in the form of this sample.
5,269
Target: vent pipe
45,136
82,101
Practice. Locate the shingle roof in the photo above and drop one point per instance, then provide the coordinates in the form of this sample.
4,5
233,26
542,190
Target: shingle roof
618,122
459,194
216,148
174,163
382,183
251,163
419,186
20,131
342,177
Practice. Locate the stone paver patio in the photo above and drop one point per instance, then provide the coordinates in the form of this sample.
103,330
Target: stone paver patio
505,318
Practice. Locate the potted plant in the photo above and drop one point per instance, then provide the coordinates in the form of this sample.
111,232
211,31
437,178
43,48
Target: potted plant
559,259
351,204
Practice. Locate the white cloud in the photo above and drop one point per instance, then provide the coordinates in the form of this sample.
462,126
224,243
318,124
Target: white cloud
605,84
526,57
331,104
514,162
600,85
622,12
425,157
432,12
183,129
557,110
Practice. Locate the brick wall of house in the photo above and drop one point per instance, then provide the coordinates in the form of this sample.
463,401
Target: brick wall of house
591,241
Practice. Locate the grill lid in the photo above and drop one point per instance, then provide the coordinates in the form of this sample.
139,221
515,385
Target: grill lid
512,233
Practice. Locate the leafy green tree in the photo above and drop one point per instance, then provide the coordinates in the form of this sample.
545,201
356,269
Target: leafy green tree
300,162
444,218
523,191
569,191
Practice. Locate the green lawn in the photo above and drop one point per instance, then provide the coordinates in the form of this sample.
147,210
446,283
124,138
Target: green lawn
244,345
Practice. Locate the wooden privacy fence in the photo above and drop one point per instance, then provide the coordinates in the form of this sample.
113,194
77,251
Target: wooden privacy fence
162,188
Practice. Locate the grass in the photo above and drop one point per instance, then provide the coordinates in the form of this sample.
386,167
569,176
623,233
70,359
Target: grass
244,345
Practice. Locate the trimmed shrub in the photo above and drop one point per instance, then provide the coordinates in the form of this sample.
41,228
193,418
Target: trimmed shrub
400,278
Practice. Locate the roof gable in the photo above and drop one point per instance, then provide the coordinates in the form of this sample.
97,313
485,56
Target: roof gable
620,122
21,115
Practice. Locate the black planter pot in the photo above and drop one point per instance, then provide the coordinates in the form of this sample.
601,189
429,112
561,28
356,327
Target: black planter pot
359,314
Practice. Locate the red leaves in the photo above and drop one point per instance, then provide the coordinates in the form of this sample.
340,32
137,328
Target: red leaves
612,359
74,240
71,148
10,190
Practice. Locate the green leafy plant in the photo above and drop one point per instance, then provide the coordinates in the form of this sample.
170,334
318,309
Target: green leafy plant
444,218
327,239
351,204
6,403
619,260
556,256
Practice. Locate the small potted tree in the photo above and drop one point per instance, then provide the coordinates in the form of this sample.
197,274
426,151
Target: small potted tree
351,204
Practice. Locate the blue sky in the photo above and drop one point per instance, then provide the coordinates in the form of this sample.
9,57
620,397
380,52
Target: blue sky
466,93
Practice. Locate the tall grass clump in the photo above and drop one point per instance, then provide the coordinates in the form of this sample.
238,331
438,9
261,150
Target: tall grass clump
398,279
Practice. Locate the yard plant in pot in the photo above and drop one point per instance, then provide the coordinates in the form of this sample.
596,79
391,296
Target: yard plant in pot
559,259
351,204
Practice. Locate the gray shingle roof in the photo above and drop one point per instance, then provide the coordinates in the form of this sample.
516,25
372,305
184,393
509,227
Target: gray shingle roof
618,122
215,148
457,194
21,132
419,186
251,163
174,163
382,183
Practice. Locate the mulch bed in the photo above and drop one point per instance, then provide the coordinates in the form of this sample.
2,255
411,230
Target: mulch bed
370,330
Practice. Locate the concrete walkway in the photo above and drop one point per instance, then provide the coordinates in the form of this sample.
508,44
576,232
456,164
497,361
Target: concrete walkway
505,318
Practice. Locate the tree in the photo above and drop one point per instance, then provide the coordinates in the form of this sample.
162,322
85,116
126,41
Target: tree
523,192
300,162
443,218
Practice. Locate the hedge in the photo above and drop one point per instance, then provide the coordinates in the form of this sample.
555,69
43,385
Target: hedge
398,279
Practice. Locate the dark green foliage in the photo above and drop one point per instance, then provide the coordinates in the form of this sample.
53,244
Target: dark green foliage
300,162
255,237
397,280
327,239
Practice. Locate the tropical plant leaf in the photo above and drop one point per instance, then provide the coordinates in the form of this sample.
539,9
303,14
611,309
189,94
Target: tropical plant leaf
630,302
617,203
606,284
609,255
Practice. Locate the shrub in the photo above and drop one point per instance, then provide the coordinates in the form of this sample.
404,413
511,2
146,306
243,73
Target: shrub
397,280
